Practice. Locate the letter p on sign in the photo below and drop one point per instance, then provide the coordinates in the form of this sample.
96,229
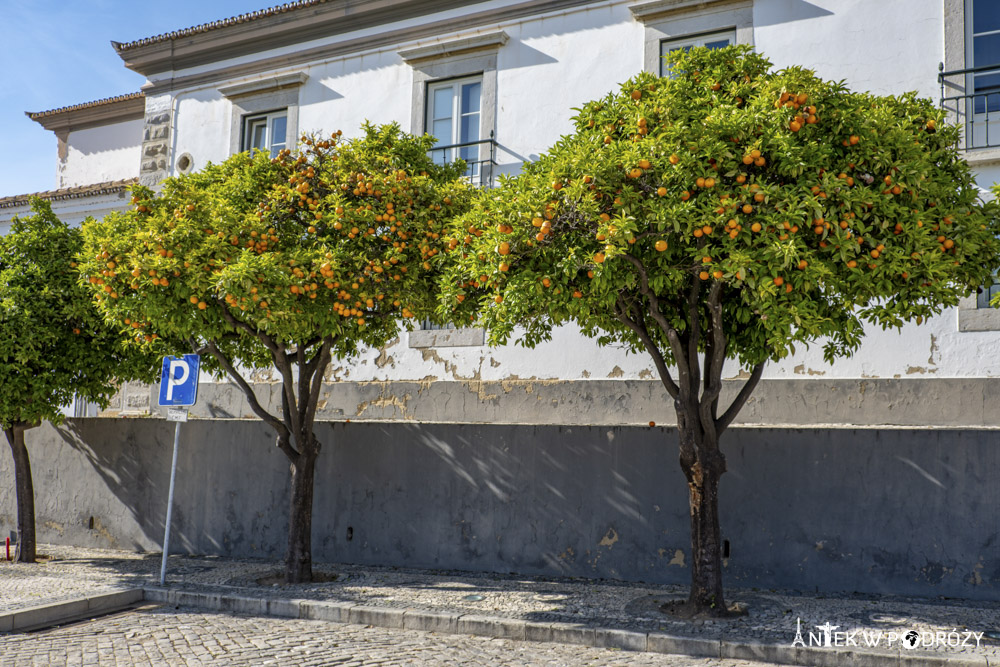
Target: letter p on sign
179,380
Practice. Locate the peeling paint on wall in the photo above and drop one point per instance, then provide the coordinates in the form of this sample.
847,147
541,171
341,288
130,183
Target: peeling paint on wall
609,539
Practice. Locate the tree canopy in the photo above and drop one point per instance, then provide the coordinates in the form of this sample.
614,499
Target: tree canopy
282,263
727,212
810,209
54,345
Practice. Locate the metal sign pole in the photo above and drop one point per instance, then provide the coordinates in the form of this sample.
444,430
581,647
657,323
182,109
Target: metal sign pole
170,506
178,390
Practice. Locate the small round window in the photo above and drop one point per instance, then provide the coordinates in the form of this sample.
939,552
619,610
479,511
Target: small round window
185,163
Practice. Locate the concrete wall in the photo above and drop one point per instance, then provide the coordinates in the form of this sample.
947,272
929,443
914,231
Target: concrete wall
894,511
99,154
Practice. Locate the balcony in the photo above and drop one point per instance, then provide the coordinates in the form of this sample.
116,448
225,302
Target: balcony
480,159
978,112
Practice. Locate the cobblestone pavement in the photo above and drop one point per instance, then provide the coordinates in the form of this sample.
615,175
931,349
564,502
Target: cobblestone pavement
159,636
771,619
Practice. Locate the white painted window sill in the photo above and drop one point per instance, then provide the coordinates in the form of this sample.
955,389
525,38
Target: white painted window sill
464,337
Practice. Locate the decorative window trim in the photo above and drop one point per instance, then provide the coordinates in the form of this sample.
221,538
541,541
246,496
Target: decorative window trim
456,61
452,47
459,337
453,59
973,318
668,20
252,98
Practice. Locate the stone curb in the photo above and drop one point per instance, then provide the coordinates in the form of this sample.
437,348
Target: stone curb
561,633
68,610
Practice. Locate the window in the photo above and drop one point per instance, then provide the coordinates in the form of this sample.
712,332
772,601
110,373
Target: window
714,40
266,132
674,24
986,295
454,111
982,44
265,112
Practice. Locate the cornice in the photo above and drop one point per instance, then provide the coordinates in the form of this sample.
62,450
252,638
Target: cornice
91,114
390,38
76,192
300,23
267,84
449,47
654,9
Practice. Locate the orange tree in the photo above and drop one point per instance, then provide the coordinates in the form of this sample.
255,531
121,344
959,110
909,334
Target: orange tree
728,212
281,263
53,344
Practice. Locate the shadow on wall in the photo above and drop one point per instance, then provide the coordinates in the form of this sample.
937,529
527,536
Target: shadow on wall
230,494
777,12
901,511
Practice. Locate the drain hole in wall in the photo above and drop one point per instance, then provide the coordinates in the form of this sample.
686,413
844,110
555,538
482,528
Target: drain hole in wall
725,548
90,523
350,533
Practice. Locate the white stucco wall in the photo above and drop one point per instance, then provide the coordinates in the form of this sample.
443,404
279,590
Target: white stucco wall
554,63
98,154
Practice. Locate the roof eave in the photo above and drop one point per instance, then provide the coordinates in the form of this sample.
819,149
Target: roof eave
268,32
90,115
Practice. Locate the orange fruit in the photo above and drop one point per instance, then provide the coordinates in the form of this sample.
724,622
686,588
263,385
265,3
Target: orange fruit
660,245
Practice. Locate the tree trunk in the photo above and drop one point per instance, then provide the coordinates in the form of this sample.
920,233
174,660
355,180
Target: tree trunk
298,561
25,494
703,465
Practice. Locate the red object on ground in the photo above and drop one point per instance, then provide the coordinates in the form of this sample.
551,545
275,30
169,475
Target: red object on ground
8,548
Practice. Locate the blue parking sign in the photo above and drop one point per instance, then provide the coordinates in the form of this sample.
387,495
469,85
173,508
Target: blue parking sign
179,380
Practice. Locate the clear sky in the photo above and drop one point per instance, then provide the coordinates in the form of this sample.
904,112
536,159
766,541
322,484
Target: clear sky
55,53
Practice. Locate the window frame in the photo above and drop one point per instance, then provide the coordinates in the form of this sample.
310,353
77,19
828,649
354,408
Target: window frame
453,61
970,50
694,40
268,117
667,22
456,117
260,97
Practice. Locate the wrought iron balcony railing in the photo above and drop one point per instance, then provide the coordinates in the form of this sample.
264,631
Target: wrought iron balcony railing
480,159
978,111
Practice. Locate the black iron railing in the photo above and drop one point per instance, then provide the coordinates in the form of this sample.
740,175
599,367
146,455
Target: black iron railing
480,159
978,111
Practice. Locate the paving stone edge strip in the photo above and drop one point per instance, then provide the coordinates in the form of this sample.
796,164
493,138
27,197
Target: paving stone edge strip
563,633
66,610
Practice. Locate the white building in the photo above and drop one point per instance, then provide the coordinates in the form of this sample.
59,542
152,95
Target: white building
859,504
507,73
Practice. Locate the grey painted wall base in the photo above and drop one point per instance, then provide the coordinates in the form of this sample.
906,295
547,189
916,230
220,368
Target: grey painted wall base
950,402
895,511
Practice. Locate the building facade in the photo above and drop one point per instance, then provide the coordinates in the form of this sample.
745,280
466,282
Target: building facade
496,82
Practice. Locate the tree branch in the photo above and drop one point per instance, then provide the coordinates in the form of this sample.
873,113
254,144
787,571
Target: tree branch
715,357
694,332
243,326
317,373
639,328
283,361
683,375
255,405
729,415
